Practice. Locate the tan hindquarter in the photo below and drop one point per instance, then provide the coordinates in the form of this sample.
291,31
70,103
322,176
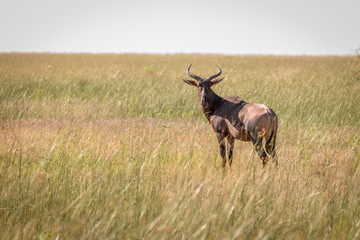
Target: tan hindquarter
252,117
237,118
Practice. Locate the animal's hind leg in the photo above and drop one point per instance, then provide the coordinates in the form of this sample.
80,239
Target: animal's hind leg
270,148
230,147
258,144
221,140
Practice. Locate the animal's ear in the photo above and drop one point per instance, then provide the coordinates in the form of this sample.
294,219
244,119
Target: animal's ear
216,81
190,82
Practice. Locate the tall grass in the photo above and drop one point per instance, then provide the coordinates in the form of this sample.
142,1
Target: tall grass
321,90
116,147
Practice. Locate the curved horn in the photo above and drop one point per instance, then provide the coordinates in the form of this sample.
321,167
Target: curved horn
192,75
215,75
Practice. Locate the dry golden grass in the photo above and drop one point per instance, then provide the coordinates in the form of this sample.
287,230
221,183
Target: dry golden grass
116,147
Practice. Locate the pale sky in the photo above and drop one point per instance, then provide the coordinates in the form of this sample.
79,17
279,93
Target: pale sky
280,27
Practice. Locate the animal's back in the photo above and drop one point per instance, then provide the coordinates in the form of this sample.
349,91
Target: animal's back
234,99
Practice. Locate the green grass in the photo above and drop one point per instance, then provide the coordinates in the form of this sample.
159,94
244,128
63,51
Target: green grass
321,90
116,147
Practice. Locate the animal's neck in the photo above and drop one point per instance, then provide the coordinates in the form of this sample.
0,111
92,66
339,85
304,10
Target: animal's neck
213,103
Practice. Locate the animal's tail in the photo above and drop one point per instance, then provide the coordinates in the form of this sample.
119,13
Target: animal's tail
270,147
268,142
271,141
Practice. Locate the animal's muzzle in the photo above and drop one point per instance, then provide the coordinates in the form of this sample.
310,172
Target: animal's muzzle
203,102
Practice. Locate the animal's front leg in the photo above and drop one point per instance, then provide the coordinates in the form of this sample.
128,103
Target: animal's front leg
230,147
221,140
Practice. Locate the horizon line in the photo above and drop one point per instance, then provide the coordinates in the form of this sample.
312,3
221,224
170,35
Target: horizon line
179,53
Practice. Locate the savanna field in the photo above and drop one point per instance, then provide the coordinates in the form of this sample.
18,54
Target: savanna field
117,147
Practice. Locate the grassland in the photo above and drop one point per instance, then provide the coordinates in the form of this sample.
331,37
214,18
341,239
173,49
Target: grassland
116,147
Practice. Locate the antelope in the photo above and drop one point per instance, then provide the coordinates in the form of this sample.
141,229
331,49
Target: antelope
232,118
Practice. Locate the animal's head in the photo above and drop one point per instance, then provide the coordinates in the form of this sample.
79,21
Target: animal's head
203,85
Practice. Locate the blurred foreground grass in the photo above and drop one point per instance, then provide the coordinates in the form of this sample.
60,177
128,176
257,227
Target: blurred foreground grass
116,147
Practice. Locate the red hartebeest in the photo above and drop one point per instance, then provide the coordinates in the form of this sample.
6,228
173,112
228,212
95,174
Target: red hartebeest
232,118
